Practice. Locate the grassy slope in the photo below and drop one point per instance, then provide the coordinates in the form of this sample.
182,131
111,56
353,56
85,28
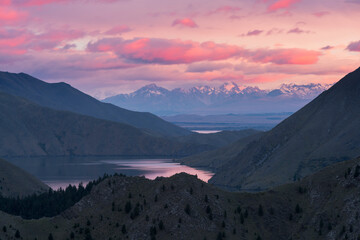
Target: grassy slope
16,182
328,203
323,132
62,96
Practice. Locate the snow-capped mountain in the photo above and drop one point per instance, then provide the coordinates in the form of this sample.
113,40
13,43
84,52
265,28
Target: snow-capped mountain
228,98
148,91
304,91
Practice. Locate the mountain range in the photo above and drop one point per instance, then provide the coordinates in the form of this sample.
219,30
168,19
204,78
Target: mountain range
228,98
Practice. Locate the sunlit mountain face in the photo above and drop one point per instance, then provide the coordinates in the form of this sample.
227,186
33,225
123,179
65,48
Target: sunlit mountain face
108,47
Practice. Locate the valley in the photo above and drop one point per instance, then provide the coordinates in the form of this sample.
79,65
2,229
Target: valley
179,120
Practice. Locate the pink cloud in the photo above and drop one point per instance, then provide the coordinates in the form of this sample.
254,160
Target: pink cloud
20,41
321,13
297,31
274,31
282,4
73,65
255,32
353,1
164,51
266,78
9,15
286,56
354,46
13,42
61,35
37,2
207,67
328,47
185,22
213,76
53,38
11,50
117,30
5,2
44,2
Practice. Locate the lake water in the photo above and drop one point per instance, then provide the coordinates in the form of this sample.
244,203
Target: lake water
206,131
60,172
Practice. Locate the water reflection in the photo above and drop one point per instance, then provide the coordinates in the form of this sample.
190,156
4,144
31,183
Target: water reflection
159,167
206,131
60,172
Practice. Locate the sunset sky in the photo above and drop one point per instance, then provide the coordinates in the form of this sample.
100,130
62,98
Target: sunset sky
105,47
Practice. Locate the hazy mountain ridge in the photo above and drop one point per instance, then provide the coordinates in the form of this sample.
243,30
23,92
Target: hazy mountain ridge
321,206
227,98
62,96
27,129
323,132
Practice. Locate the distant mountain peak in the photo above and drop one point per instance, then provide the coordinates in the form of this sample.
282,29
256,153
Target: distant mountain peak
151,86
150,90
202,89
230,87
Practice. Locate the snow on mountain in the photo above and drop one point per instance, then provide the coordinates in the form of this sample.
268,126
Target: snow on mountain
230,88
303,91
227,98
149,91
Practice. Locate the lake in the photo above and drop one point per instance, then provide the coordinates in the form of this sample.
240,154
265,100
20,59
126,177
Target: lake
206,131
61,171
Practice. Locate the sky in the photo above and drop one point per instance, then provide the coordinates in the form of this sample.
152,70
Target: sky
106,47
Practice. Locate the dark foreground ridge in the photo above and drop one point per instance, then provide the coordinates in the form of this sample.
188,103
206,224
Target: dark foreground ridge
321,206
15,182
47,204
